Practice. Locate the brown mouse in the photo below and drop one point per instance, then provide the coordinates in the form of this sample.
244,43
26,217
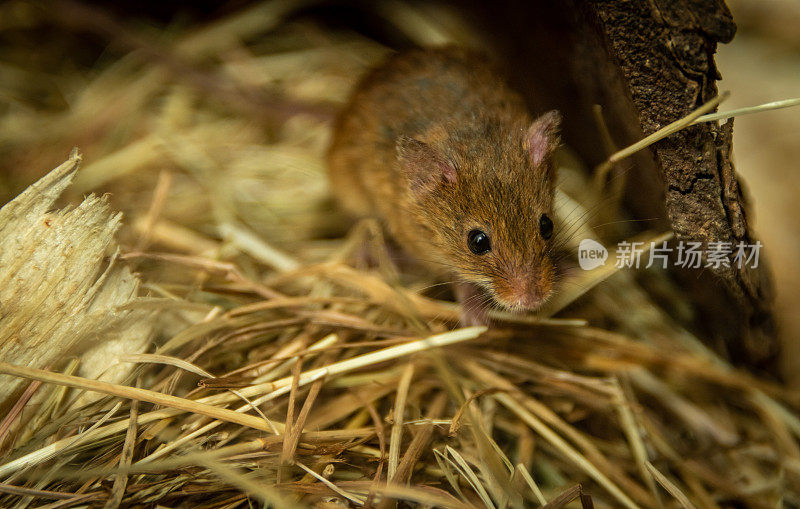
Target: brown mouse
436,145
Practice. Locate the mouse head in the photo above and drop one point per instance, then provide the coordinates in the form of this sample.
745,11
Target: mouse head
483,201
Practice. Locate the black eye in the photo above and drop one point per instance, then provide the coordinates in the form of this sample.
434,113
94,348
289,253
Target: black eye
545,227
478,242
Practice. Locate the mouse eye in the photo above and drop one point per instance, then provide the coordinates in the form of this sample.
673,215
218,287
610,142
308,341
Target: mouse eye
545,227
478,242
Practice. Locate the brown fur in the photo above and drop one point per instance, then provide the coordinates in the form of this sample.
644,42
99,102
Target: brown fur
435,144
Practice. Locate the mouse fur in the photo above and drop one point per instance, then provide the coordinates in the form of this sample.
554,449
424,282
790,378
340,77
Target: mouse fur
435,144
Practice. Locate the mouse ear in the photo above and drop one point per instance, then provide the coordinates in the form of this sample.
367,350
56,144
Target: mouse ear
423,165
543,138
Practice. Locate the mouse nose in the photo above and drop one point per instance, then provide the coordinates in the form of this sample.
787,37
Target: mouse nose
527,299
529,293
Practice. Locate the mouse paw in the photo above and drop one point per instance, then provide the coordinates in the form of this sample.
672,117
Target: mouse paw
474,304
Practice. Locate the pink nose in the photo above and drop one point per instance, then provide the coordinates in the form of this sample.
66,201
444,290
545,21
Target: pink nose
527,298
528,294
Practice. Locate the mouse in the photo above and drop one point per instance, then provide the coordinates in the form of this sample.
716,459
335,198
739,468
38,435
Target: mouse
436,145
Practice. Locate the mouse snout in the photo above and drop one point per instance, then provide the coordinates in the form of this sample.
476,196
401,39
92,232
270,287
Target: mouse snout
524,292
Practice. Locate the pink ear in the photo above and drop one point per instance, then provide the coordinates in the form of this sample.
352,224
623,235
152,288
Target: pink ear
424,166
543,137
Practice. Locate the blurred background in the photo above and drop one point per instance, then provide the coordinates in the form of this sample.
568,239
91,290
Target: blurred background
226,107
762,64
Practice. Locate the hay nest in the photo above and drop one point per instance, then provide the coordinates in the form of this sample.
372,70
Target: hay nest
258,360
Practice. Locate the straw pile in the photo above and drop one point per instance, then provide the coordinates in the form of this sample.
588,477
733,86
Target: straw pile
281,371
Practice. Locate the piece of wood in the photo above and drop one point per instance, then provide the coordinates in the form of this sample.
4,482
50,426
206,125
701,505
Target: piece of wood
666,52
62,293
